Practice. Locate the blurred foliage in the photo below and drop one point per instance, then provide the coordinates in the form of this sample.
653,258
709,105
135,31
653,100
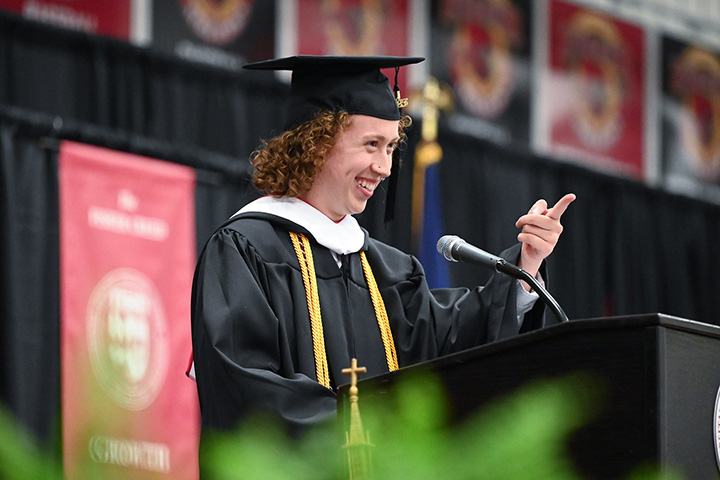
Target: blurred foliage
20,456
521,436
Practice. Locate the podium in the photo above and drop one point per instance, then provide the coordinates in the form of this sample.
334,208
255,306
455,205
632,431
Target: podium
660,376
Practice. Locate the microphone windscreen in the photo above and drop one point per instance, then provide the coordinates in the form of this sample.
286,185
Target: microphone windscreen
445,245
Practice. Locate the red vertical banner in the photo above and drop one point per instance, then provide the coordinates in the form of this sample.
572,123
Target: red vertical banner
690,106
354,27
127,253
111,18
596,90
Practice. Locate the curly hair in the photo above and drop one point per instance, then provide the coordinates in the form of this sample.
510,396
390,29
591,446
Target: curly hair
287,165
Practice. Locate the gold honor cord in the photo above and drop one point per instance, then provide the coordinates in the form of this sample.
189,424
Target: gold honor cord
307,267
381,315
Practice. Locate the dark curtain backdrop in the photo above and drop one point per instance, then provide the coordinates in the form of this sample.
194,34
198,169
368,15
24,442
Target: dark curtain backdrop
627,248
115,85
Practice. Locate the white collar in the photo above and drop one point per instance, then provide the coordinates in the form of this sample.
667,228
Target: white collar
341,237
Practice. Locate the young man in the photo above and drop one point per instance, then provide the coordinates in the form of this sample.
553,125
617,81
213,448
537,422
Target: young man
291,288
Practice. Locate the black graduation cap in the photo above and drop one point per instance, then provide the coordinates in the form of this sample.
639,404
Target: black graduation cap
351,83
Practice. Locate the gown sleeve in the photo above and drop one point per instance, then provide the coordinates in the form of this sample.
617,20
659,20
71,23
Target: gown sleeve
430,323
243,356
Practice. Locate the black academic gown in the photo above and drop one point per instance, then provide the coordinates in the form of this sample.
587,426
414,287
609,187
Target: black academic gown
252,341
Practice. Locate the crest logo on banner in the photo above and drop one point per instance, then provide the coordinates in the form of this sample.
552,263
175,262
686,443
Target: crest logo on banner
127,338
594,54
217,21
481,56
354,32
695,79
352,27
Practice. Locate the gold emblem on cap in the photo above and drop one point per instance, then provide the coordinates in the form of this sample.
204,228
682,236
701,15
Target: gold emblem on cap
401,102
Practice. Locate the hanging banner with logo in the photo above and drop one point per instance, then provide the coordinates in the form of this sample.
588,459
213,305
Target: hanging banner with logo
691,115
127,253
354,27
482,48
595,93
90,16
225,34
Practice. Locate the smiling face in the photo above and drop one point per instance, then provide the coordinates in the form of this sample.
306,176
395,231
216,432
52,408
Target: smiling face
360,159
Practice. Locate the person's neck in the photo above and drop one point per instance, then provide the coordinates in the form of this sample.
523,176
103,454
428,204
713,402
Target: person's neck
304,199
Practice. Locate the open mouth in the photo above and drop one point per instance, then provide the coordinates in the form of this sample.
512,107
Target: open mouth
368,185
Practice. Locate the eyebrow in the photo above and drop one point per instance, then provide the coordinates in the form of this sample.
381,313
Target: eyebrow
378,136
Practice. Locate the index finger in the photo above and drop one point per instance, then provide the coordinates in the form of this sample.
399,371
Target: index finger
559,208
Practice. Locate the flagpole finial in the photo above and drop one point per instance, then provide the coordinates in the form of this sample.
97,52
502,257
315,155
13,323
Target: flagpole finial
434,98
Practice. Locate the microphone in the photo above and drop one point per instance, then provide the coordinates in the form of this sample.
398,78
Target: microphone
455,249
